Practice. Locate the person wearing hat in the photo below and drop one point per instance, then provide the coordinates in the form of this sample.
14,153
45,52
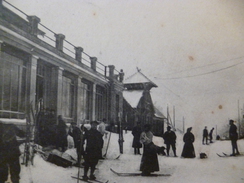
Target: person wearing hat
136,144
149,160
170,139
233,135
188,149
75,132
9,152
93,142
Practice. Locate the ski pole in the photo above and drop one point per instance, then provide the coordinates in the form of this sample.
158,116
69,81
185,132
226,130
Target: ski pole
107,145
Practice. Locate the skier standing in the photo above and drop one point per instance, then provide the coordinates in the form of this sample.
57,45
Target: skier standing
170,140
93,139
149,160
233,137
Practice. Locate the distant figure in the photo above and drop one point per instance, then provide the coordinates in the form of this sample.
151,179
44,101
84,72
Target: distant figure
9,152
188,149
75,132
149,160
170,140
102,129
93,139
233,137
205,136
121,75
211,135
61,135
136,144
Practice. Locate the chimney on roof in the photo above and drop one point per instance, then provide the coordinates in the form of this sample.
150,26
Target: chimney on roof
93,63
33,22
111,71
60,41
78,53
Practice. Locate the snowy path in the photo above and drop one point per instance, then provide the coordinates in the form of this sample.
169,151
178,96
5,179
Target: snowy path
212,170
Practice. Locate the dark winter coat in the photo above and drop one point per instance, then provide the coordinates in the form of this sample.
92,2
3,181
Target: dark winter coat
188,149
205,133
9,152
61,135
76,134
8,142
169,137
136,132
93,139
149,160
233,135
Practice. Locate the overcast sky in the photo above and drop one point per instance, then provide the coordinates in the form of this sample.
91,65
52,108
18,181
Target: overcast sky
192,49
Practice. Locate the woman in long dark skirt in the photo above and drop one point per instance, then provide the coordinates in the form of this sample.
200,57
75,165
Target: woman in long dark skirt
149,161
188,149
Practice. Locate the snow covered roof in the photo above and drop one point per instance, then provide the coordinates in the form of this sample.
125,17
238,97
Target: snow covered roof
158,114
133,97
138,77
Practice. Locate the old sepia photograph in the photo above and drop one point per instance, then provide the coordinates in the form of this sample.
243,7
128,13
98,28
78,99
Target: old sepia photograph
121,91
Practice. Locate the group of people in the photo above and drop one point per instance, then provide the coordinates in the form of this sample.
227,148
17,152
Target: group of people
89,144
149,160
207,136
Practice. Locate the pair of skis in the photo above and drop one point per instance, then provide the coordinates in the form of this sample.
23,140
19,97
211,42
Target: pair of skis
89,181
137,174
224,155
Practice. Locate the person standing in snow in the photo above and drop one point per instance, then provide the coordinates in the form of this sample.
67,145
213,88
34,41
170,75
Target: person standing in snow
61,141
136,144
188,149
211,135
205,136
102,129
149,160
93,139
9,152
233,135
75,132
170,140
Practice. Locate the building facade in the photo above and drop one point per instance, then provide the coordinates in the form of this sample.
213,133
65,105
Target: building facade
39,73
138,105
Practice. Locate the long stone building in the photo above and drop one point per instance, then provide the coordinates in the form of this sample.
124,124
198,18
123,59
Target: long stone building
41,68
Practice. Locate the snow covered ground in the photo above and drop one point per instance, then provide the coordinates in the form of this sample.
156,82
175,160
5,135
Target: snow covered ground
214,169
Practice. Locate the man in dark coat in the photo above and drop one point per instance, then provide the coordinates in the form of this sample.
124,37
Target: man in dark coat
136,144
93,139
205,136
75,132
233,137
188,149
9,152
170,140
211,135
